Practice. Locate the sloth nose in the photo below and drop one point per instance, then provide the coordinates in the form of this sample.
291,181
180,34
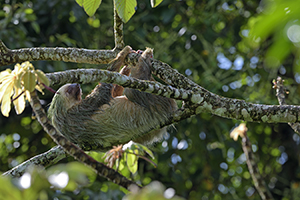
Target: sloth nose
73,88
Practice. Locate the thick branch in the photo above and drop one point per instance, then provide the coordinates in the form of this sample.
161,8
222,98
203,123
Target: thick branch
97,75
162,70
45,159
199,101
76,55
75,151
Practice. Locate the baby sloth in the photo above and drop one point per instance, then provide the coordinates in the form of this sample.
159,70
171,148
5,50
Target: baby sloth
106,118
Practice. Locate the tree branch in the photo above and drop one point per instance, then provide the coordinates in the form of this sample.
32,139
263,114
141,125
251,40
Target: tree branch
75,151
118,30
200,100
76,55
257,178
45,159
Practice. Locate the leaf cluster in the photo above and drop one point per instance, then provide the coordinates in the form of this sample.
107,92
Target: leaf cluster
125,9
18,83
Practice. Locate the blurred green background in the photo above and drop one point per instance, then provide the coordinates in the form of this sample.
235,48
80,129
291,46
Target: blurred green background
232,48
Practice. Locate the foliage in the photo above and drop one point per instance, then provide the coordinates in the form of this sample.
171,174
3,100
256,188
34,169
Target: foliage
36,184
154,190
125,9
18,84
70,179
206,41
280,20
127,155
90,6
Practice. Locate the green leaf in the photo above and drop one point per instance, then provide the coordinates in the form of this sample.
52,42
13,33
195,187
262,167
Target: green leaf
36,27
6,101
8,190
19,103
278,52
148,151
274,18
80,2
90,6
125,9
4,75
5,82
131,162
29,80
155,3
42,77
120,164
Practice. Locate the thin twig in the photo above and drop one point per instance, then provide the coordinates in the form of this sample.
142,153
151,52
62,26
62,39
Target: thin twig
17,96
257,178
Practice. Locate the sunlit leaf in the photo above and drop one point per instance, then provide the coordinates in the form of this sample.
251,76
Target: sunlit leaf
125,9
27,94
18,69
121,164
19,103
155,3
4,74
39,88
21,80
42,77
131,162
4,85
29,80
90,6
27,66
6,101
80,2
148,151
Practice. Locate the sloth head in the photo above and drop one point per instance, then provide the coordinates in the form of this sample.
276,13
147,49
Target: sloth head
67,96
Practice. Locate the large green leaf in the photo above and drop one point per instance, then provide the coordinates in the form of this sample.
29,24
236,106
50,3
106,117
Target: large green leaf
90,6
125,9
80,2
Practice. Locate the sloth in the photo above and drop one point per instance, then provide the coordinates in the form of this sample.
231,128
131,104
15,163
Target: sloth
111,115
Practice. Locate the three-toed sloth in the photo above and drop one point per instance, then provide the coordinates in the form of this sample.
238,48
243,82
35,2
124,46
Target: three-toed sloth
112,115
